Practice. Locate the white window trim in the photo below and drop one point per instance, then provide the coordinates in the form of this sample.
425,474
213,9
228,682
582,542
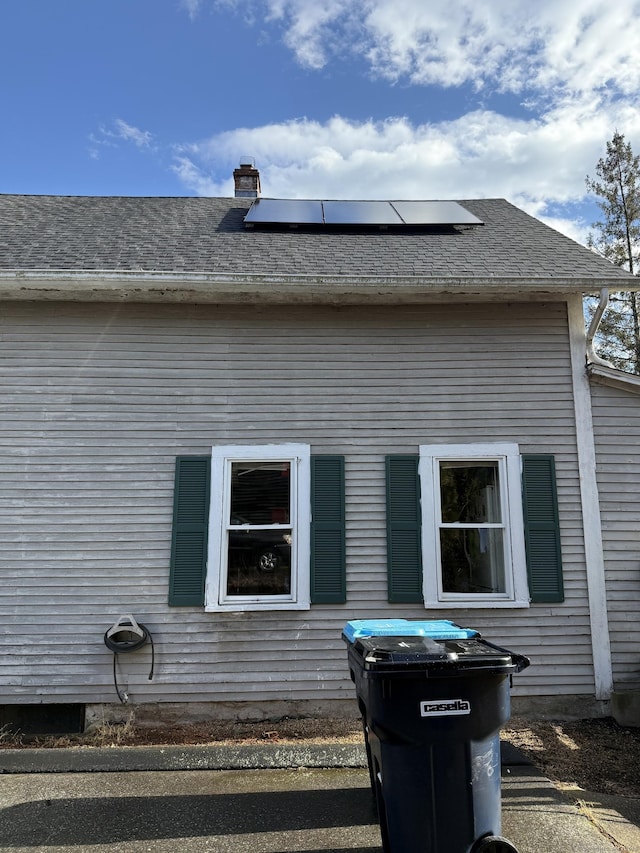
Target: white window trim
508,457
299,456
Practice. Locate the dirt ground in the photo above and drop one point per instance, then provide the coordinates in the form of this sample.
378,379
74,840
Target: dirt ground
596,755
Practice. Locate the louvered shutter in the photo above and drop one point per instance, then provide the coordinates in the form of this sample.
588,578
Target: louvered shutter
328,570
542,529
404,547
190,525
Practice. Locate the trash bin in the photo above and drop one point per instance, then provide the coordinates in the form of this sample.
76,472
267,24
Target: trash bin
433,697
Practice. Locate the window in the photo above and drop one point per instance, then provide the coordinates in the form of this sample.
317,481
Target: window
200,514
259,543
472,526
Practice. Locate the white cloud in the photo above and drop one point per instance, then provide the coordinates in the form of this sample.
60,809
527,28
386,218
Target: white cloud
197,180
140,138
505,45
192,7
309,27
120,131
479,154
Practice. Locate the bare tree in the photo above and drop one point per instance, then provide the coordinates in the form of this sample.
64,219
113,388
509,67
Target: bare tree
617,237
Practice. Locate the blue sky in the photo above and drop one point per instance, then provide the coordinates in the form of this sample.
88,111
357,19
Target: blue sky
333,98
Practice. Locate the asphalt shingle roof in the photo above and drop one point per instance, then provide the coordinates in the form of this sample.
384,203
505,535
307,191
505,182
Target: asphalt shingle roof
207,235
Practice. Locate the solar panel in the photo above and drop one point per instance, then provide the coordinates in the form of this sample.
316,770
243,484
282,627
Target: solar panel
292,211
360,213
288,211
434,213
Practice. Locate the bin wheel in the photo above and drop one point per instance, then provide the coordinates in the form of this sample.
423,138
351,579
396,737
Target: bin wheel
493,844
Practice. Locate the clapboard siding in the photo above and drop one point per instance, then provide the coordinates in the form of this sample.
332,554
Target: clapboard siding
616,419
96,402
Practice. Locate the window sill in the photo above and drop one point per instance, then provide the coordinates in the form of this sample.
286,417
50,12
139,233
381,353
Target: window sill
472,604
238,607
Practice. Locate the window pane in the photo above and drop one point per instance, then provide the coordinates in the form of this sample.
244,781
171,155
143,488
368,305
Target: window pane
472,560
259,562
470,492
260,492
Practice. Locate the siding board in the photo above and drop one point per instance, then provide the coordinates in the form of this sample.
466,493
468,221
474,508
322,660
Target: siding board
98,400
616,420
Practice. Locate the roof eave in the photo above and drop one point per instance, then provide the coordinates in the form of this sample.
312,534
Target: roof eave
158,286
603,375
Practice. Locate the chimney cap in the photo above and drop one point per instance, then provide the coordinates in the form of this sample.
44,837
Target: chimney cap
247,161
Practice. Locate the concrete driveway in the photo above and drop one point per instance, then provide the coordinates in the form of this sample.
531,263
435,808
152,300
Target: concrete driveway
295,808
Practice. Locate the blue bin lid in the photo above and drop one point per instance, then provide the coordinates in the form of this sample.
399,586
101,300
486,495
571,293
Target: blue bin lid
437,629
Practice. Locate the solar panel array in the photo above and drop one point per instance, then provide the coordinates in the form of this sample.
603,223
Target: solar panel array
291,211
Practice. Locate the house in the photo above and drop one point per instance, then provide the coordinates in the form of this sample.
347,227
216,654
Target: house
244,434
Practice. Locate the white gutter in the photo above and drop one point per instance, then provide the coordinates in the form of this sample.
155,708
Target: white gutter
170,286
590,500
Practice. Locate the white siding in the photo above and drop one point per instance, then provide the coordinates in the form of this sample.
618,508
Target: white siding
616,416
97,400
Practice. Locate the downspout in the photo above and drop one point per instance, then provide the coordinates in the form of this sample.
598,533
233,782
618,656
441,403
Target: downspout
592,356
590,502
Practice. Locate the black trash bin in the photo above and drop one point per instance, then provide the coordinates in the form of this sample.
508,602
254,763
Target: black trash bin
433,697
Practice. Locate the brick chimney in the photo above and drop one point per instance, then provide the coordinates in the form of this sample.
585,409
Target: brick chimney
246,179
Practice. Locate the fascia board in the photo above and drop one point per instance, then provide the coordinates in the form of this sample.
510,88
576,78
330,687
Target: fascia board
134,286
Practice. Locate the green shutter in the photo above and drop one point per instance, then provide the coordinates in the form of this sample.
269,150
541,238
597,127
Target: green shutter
190,525
542,529
328,563
404,546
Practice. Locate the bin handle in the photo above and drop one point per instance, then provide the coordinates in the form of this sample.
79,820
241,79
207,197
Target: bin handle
520,661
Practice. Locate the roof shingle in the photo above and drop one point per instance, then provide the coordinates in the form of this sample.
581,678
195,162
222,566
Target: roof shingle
207,235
